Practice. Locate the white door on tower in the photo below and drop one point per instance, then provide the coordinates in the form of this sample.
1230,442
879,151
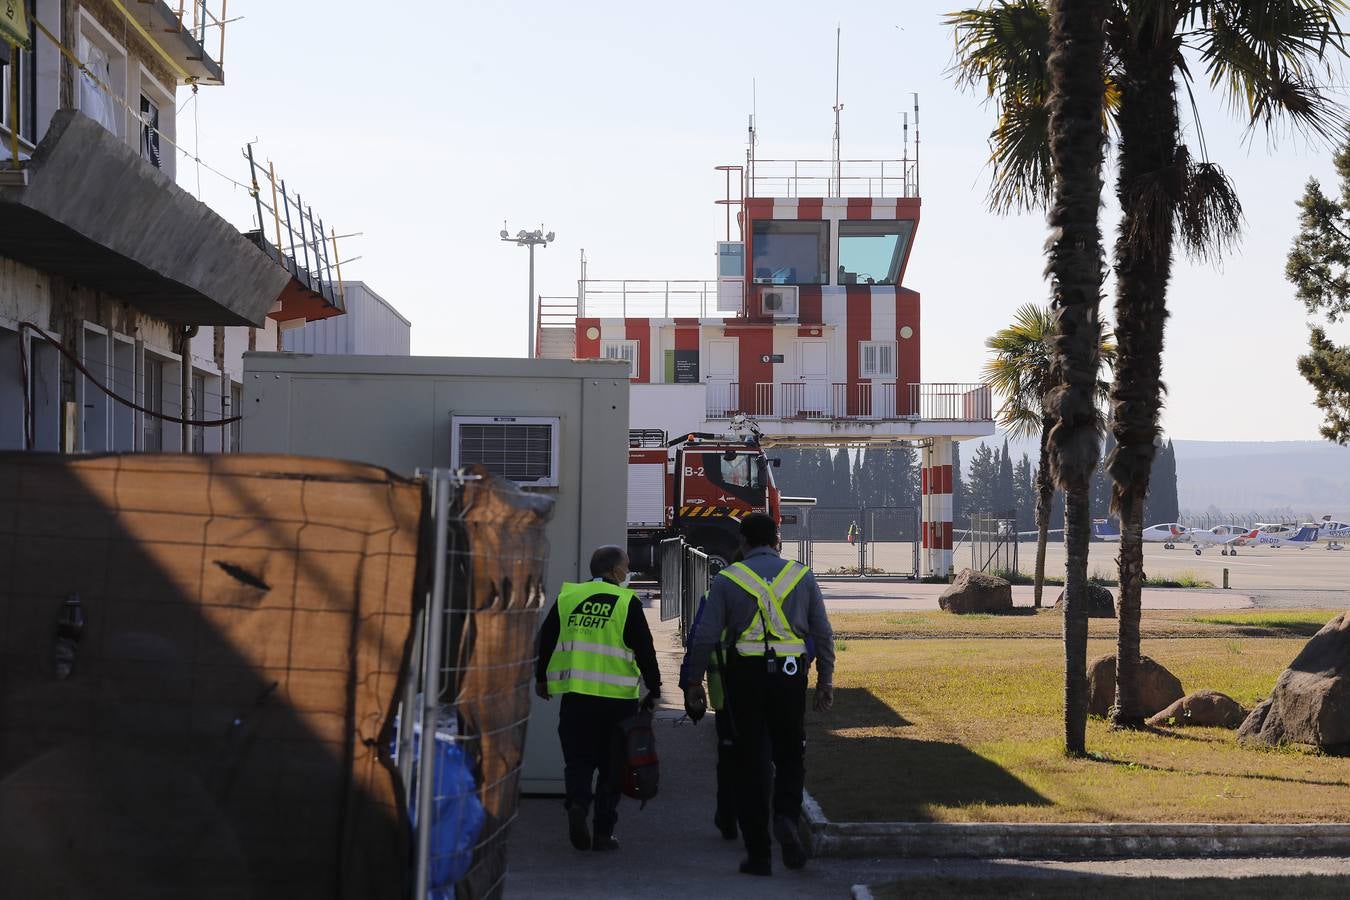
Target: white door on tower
813,373
723,396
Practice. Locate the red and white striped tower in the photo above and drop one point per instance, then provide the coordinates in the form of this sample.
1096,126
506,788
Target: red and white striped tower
936,506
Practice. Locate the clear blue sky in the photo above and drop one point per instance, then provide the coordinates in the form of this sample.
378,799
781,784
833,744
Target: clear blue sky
426,127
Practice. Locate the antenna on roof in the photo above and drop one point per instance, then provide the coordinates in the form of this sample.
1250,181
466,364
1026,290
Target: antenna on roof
916,144
750,140
838,107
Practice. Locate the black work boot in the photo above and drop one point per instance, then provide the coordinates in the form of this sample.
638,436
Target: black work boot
755,865
578,829
789,838
604,841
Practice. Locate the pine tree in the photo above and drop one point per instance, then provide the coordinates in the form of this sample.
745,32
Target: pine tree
1319,268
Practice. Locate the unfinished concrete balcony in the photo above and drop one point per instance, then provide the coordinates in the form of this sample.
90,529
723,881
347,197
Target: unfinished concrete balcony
190,34
94,211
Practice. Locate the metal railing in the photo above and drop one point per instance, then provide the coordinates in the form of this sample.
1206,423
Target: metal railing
951,402
685,575
874,400
198,17
295,239
622,298
875,178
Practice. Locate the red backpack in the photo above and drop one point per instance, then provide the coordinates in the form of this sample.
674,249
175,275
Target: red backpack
641,771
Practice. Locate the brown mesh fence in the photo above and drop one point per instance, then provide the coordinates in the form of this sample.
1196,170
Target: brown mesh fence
231,630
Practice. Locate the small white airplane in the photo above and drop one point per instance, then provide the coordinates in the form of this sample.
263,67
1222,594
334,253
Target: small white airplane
1167,534
1333,533
1273,534
1226,537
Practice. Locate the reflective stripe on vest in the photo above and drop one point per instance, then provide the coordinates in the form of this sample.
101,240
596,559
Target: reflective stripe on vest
591,656
769,600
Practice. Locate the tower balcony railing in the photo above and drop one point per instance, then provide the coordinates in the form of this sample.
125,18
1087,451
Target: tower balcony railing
648,298
867,401
875,178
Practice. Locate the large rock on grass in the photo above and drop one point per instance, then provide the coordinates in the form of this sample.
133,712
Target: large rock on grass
976,592
1311,700
1100,605
1206,709
1158,688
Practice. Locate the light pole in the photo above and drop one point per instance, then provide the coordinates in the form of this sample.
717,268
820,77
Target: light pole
529,239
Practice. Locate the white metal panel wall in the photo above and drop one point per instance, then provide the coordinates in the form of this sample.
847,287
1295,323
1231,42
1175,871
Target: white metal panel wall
646,495
371,326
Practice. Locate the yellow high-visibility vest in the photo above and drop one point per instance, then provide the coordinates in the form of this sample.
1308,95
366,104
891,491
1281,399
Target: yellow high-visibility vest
591,656
769,629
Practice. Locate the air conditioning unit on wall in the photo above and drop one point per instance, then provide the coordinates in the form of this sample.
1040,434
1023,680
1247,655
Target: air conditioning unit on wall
779,301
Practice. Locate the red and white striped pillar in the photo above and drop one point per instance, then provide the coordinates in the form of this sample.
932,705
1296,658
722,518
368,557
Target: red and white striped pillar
936,507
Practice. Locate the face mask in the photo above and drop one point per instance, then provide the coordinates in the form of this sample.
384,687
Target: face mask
627,580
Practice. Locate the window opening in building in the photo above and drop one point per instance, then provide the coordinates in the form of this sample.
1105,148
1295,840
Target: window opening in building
150,132
94,103
523,449
624,350
791,252
876,359
22,65
198,412
153,431
873,252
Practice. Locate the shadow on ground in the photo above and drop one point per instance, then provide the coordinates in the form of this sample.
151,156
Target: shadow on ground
908,777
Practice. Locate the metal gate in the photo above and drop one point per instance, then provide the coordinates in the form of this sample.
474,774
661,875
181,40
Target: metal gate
855,542
685,575
993,542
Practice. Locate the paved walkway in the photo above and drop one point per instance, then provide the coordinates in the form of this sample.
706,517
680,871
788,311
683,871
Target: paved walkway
671,849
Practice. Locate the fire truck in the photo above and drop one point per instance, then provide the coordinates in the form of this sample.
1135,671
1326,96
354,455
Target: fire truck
698,486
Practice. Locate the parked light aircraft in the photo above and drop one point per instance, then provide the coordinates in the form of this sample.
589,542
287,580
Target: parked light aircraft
1273,534
1333,533
1226,537
1167,534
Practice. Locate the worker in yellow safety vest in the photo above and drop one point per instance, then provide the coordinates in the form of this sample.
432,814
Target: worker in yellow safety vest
595,650
767,608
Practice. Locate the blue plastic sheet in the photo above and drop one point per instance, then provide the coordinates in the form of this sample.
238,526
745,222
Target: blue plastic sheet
456,816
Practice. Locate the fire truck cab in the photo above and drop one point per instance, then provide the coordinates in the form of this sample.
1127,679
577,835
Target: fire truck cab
698,486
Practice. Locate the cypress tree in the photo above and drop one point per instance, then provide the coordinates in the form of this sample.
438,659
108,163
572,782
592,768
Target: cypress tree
1005,496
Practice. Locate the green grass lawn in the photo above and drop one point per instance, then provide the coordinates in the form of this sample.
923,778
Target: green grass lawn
1049,623
970,730
1072,887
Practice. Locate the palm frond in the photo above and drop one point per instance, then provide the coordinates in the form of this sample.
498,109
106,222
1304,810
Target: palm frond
1004,48
1273,60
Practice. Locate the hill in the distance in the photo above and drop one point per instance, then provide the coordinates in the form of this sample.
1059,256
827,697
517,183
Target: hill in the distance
1311,478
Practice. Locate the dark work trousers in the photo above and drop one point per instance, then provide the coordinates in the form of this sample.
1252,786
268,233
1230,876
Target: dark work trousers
726,766
769,712
592,747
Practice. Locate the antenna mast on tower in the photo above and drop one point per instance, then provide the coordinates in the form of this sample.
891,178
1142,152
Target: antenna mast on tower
838,107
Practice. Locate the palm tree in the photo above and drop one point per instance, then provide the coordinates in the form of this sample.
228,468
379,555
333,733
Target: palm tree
1021,372
1271,60
1075,99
